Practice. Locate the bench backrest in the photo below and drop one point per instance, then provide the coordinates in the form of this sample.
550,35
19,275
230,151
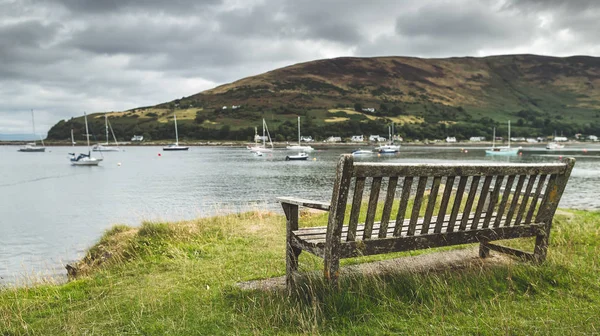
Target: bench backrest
429,198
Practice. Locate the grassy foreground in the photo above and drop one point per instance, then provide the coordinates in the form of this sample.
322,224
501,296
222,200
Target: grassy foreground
180,278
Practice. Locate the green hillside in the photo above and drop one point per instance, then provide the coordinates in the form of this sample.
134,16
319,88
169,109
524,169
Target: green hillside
427,98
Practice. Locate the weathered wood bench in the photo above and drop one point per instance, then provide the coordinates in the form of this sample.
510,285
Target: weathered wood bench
478,204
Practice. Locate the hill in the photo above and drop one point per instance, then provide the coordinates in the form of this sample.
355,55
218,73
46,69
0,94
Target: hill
429,98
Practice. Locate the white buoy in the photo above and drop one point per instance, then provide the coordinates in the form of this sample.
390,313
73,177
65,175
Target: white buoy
119,164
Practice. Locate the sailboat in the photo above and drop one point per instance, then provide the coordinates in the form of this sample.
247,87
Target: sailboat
105,147
299,145
175,146
32,147
501,150
263,148
390,148
84,159
553,145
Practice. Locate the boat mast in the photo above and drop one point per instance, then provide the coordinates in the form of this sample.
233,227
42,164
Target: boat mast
87,132
72,140
509,134
176,134
494,138
269,135
33,126
298,130
264,140
106,126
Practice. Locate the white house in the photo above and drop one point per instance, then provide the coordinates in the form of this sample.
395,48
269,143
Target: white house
333,139
137,138
450,139
477,139
357,138
560,139
532,140
306,138
592,137
376,138
368,109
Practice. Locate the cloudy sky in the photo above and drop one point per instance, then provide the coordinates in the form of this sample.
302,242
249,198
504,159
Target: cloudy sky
63,57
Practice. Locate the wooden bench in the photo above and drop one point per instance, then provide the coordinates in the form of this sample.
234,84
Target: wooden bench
478,204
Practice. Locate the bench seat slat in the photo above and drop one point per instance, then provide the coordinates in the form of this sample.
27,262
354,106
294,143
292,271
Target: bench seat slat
356,203
318,233
407,243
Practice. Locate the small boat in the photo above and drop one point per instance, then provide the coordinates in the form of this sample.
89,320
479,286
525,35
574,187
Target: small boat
299,146
175,146
258,153
390,148
297,157
84,159
501,150
554,145
105,147
263,148
362,152
32,147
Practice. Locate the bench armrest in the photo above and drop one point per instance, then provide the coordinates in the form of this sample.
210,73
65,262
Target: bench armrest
305,203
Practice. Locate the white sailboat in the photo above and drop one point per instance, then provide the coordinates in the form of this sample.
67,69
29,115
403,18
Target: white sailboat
554,145
501,150
32,147
84,159
105,147
263,148
298,157
389,148
299,146
175,146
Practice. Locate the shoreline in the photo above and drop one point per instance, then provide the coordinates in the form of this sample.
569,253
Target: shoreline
282,145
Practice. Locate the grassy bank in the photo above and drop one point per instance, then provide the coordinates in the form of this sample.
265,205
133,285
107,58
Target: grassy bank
180,278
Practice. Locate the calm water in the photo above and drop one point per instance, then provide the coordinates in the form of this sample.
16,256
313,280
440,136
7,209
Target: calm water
51,212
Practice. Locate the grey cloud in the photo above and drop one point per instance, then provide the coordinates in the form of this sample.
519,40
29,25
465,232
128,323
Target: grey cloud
61,57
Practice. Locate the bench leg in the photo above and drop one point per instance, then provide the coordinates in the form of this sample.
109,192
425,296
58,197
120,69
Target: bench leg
291,252
484,249
332,270
541,248
291,264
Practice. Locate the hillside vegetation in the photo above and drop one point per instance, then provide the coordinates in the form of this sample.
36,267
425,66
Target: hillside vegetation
180,279
428,98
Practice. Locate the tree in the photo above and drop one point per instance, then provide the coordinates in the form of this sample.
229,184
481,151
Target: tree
358,107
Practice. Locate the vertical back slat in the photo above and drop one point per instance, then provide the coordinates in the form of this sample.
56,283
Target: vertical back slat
462,183
505,195
469,204
536,197
523,206
414,216
481,202
359,186
387,207
435,187
406,188
444,204
493,200
551,183
372,209
515,200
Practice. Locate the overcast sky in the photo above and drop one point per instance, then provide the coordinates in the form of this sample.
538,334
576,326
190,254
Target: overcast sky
63,57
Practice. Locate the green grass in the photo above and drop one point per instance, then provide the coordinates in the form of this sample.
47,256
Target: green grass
180,278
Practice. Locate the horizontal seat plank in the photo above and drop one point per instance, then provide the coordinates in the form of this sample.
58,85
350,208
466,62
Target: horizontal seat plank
305,203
